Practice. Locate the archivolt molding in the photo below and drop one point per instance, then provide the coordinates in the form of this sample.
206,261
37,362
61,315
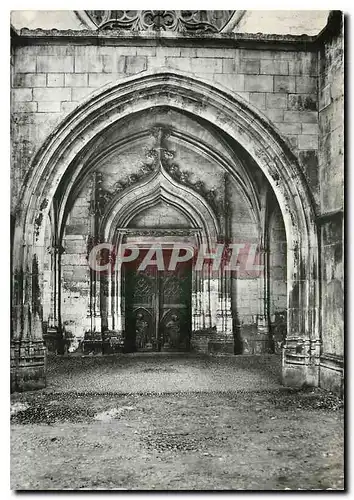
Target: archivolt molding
214,104
159,186
226,110
88,164
236,118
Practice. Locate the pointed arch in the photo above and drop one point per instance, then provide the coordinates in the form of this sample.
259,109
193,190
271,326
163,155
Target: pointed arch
243,123
160,186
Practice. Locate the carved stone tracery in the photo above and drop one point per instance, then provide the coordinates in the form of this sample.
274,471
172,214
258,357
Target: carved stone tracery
195,21
162,157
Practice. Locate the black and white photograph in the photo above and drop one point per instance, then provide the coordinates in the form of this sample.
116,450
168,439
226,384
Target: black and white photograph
177,250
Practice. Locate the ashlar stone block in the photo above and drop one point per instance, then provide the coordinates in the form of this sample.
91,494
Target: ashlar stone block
306,85
55,64
55,80
259,83
277,100
19,95
270,67
284,84
30,80
52,94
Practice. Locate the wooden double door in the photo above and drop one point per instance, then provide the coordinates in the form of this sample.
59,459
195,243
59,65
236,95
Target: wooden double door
158,307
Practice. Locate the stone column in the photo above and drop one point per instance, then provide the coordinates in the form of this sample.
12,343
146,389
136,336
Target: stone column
119,312
224,322
263,330
224,313
54,333
95,281
206,298
301,350
109,301
28,353
197,319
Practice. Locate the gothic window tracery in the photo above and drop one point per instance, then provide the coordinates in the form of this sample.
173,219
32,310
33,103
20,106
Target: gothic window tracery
197,21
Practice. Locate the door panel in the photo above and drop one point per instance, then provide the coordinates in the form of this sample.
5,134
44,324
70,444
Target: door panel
158,308
175,310
140,290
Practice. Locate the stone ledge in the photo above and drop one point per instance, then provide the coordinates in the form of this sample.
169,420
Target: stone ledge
300,375
332,373
332,361
122,37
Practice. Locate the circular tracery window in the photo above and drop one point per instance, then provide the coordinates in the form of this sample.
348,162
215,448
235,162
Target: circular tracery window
197,21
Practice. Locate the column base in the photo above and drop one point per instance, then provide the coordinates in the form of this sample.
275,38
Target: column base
28,366
221,346
300,375
258,344
262,325
200,339
53,341
332,373
300,363
209,341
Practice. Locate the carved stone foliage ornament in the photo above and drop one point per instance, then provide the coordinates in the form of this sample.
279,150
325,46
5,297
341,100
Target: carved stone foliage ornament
160,157
195,21
159,231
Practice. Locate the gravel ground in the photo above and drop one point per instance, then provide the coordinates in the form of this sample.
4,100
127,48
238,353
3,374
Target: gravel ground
177,432
163,372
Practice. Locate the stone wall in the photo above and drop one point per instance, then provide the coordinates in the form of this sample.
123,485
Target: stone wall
51,80
331,124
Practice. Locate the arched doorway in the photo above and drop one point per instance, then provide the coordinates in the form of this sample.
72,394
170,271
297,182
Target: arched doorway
63,163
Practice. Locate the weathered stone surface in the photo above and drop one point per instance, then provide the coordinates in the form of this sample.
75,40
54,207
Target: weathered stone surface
259,83
19,95
55,80
331,177
300,116
302,102
52,94
269,67
94,63
308,141
49,107
278,100
309,161
275,115
199,65
55,64
258,99
290,128
282,85
25,63
305,64
135,64
76,80
80,93
249,67
24,107
306,84
96,80
30,80
233,82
